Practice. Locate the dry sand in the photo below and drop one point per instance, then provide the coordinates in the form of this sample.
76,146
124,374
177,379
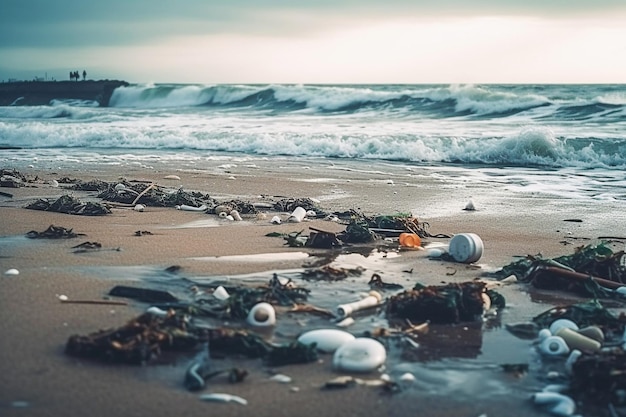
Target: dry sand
37,379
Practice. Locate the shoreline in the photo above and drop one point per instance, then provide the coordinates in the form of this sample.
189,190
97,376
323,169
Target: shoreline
36,325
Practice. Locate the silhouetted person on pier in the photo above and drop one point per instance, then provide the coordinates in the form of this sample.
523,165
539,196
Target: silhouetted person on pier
84,75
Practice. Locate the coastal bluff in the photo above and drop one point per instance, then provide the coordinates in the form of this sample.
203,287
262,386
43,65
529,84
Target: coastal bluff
41,93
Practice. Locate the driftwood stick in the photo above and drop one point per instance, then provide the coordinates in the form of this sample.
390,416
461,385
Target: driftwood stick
149,187
580,276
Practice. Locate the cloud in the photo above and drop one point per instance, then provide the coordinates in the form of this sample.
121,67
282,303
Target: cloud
63,23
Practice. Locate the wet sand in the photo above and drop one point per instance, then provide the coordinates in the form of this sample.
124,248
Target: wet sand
37,379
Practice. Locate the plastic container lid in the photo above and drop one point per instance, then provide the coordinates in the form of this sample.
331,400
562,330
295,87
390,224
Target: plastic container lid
466,247
409,240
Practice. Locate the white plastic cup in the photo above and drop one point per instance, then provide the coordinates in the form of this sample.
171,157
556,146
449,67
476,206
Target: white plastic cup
374,298
298,215
466,247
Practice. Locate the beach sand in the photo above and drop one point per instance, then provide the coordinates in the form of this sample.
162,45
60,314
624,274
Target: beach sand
38,379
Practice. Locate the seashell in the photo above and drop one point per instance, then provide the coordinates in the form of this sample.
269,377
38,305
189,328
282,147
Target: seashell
171,177
229,217
63,297
262,315
224,398
120,187
139,207
54,183
276,220
12,272
235,215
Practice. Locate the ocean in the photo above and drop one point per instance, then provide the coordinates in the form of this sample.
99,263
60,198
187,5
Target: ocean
565,140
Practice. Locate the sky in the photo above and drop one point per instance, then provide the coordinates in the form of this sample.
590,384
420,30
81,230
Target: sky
323,41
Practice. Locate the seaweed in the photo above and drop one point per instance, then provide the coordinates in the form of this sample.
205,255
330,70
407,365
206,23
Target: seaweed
54,232
70,205
450,303
137,342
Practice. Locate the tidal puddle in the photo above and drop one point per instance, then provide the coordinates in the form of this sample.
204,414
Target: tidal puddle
461,362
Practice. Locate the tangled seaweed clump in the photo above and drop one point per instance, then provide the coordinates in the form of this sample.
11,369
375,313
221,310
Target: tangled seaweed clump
139,341
70,205
450,303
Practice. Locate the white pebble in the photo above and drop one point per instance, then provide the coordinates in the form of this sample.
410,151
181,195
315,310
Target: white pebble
407,377
11,271
63,297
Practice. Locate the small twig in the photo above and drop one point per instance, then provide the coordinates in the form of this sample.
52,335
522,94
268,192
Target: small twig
100,302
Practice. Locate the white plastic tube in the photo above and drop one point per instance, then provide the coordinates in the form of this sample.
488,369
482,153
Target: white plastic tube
374,298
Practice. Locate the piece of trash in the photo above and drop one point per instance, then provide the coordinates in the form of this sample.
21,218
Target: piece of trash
594,332
555,403
143,294
359,355
11,271
409,240
407,377
340,382
139,207
223,398
561,323
185,207
554,346
326,340
297,215
198,372
376,282
157,311
262,315
220,293
348,321
171,177
466,247
119,187
64,299
283,379
276,220
235,215
578,341
373,299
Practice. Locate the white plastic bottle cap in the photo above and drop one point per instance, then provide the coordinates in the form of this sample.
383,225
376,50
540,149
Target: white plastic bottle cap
466,247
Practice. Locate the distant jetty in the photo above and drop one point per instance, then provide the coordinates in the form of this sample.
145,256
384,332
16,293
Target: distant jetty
41,93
